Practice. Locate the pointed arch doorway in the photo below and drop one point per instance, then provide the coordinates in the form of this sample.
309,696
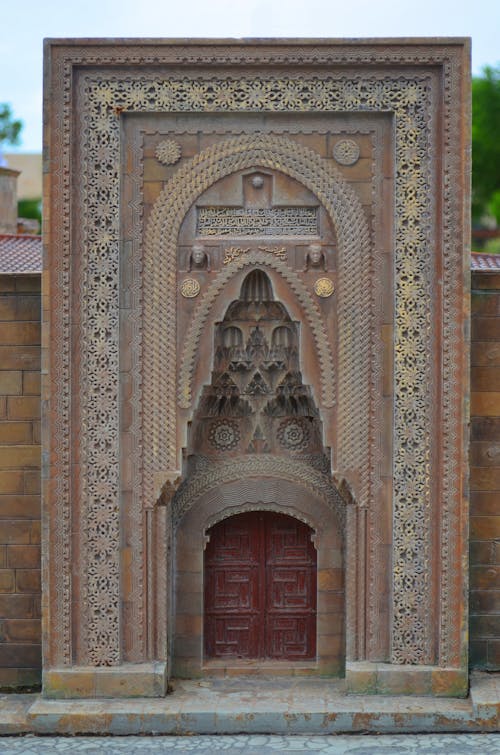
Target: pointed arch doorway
260,588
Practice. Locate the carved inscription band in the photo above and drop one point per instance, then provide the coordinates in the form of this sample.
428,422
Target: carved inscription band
275,221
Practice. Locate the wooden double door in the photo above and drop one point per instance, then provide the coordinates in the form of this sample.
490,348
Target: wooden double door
260,588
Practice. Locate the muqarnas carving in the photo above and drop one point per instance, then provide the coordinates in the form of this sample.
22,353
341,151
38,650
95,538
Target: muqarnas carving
256,402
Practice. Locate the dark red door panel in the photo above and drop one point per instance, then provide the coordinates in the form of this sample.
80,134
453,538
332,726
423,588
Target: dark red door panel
290,589
260,588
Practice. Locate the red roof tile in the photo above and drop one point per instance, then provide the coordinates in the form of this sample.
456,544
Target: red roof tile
485,262
20,254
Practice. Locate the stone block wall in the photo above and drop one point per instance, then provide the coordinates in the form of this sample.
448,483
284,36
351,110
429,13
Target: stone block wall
485,473
20,642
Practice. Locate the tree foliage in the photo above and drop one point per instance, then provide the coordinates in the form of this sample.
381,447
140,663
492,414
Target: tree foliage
30,209
10,128
486,144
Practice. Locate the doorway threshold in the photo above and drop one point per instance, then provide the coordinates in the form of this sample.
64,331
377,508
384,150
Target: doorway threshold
231,667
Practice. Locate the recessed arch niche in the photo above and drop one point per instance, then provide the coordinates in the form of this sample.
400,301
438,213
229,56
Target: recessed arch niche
256,431
260,494
343,362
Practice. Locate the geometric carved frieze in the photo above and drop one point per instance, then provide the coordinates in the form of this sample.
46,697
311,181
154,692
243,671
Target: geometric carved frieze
84,493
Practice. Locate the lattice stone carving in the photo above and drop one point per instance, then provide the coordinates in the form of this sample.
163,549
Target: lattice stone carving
348,233
408,97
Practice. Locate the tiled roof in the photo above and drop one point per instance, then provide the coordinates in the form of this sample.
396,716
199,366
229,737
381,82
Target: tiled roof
487,262
20,254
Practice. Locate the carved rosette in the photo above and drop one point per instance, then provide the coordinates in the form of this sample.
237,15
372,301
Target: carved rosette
346,152
168,152
190,288
224,435
324,288
293,435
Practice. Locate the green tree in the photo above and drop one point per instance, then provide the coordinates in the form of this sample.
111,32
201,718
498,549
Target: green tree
30,209
486,144
9,127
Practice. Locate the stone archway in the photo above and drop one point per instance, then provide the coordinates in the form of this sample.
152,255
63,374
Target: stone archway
347,386
253,494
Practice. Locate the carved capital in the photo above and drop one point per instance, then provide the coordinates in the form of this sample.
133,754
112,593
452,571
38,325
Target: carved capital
169,489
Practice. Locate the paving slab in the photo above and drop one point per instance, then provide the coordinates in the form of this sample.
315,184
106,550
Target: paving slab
14,713
409,744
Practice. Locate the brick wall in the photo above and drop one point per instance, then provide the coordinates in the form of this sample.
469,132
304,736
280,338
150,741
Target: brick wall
19,480
485,473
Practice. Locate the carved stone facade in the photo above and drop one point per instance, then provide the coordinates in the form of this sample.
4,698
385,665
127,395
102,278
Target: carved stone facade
256,302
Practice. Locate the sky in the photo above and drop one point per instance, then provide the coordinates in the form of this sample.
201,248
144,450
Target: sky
23,28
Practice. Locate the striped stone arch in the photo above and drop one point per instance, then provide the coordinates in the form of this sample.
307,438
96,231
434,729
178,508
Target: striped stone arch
245,468
354,358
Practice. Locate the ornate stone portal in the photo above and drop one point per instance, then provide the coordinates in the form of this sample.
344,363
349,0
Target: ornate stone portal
255,302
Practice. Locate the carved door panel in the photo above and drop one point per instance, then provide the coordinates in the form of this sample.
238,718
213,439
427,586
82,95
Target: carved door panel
260,588
233,604
290,589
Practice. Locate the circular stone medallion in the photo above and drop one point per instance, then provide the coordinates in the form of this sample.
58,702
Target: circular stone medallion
293,435
190,288
168,152
224,435
346,152
324,287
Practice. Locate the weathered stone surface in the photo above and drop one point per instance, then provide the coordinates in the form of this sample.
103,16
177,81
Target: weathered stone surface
132,680
279,706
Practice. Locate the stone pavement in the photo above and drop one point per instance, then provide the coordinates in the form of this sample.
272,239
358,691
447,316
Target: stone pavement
257,706
422,744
